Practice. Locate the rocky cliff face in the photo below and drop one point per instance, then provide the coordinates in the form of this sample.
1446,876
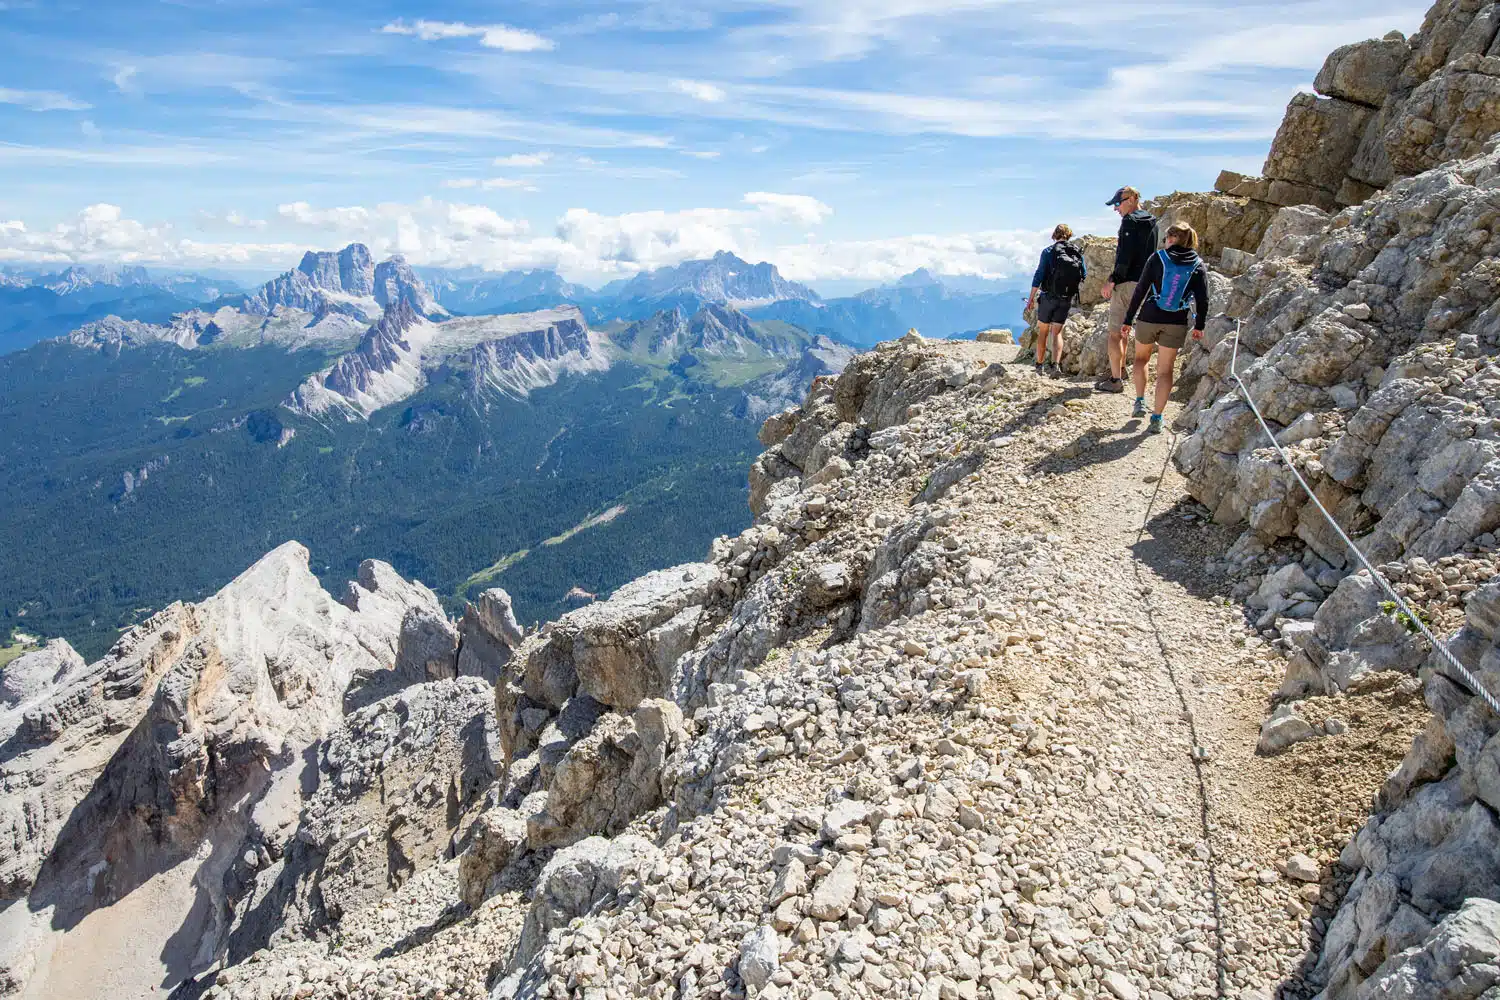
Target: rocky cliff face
154,757
511,354
327,281
780,390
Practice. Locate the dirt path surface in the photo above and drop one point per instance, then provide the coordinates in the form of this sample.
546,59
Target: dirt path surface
1172,690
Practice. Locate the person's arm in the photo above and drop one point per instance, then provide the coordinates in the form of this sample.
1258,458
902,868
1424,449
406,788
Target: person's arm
1198,285
1151,275
1117,272
1040,276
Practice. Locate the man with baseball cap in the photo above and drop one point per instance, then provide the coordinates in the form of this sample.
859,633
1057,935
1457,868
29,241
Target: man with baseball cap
1135,246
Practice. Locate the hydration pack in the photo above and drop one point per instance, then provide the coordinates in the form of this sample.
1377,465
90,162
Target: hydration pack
1066,273
1172,293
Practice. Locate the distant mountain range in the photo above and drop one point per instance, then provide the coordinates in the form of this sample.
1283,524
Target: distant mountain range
938,307
37,306
343,404
155,445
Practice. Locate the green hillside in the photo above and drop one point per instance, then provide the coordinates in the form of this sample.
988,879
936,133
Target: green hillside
134,479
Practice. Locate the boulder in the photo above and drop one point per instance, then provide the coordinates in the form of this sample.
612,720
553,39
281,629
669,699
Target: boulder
1364,72
575,880
828,584
496,839
616,651
1313,149
1222,221
35,674
609,777
760,957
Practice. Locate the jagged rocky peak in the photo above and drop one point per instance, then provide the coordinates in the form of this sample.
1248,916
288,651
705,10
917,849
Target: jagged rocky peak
126,765
395,281
350,270
920,278
252,732
723,278
81,276
346,282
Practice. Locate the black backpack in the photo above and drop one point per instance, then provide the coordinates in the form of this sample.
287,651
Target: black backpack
1066,274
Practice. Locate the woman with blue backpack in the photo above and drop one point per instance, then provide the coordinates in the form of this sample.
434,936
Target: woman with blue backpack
1173,276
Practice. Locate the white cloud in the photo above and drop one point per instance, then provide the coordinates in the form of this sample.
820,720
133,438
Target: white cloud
801,209
702,154
491,36
523,160
303,214
699,90
101,232
987,254
89,129
124,78
41,100
583,244
461,183
242,221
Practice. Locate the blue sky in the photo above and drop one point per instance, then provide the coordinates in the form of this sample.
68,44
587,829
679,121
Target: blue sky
839,139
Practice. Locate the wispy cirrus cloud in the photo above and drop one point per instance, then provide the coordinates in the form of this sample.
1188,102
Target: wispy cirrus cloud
491,36
488,183
41,100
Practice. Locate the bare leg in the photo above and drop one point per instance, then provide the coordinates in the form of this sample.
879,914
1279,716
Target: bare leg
1142,358
1054,338
1041,341
1116,342
1165,360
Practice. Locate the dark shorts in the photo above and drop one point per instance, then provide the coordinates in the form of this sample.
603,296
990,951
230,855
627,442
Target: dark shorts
1052,309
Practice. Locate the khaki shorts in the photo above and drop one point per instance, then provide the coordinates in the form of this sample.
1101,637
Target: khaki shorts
1119,301
1161,334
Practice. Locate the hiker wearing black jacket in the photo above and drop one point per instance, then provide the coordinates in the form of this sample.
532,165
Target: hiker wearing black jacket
1137,242
1059,274
1172,278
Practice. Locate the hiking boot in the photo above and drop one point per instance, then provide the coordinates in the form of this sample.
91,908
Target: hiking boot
1057,372
1040,368
1110,385
1140,407
1155,425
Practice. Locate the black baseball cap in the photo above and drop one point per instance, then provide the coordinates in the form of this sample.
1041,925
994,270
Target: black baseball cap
1120,196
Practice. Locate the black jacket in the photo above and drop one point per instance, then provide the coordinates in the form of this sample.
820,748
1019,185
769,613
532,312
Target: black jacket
1137,242
1144,299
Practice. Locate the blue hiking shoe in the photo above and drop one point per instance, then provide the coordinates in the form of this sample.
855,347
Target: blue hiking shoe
1155,426
1140,407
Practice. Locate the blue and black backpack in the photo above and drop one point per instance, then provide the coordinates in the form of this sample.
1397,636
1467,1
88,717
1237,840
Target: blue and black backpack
1175,278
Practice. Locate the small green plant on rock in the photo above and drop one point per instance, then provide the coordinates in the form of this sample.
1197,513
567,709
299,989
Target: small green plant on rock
1405,620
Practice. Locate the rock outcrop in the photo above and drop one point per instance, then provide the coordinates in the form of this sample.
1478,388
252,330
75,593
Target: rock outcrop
1421,919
